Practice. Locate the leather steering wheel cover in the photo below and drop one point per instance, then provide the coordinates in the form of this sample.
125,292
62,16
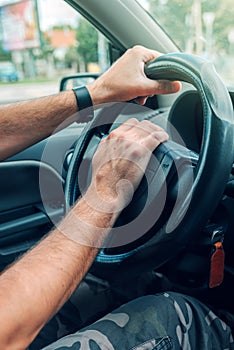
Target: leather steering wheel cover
218,134
214,161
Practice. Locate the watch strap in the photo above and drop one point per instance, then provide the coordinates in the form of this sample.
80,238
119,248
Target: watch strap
83,97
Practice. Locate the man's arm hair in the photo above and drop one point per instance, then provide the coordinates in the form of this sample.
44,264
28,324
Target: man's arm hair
34,288
26,123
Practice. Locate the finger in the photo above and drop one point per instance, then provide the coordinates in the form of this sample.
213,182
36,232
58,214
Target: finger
151,55
160,135
153,140
145,53
149,127
141,100
121,131
130,123
167,87
144,129
136,130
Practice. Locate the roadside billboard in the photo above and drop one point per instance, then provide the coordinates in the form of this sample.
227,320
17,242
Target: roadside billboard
19,26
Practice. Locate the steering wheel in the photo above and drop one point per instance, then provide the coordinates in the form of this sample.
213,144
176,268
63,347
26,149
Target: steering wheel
167,231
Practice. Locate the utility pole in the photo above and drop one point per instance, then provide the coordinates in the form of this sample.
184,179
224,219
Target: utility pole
208,18
102,59
41,40
197,17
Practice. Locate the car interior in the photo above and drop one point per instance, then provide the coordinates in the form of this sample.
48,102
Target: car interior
180,220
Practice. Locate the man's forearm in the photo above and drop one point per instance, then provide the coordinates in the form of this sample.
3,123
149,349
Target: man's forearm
34,289
25,123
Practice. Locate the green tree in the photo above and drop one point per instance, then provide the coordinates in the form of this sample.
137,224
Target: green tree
87,38
72,58
223,21
179,19
172,16
4,56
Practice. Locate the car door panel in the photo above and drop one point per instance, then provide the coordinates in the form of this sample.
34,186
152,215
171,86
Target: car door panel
23,207
30,200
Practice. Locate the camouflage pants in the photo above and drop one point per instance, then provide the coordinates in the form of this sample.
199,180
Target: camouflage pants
92,300
154,322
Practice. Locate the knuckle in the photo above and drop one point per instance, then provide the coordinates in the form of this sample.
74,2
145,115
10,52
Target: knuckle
137,47
161,136
131,121
147,123
130,50
159,128
116,134
113,134
136,152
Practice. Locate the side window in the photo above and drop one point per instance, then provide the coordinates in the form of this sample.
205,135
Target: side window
40,43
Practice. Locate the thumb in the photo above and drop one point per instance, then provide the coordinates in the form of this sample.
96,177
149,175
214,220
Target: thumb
162,87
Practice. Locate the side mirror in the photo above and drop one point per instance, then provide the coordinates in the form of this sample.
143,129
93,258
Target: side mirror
71,81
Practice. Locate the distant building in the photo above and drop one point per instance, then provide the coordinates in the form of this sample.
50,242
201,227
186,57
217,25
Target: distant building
60,40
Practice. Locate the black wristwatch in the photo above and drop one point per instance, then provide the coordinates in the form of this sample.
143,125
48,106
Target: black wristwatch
83,97
84,104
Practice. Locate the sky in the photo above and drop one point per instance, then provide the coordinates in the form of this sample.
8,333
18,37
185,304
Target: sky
52,12
144,3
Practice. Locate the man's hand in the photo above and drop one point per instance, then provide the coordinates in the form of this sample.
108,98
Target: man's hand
45,277
120,162
126,79
32,121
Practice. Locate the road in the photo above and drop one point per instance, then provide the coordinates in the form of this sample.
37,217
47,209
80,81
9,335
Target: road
23,91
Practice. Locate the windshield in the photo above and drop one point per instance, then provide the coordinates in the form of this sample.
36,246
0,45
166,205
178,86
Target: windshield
203,27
